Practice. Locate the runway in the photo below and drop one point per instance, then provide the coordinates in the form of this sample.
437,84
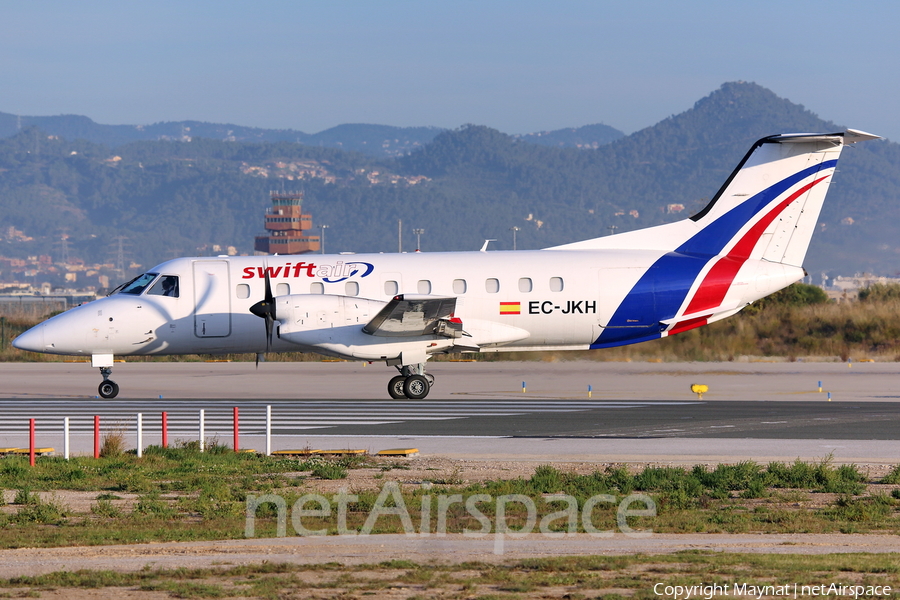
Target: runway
570,419
634,412
748,381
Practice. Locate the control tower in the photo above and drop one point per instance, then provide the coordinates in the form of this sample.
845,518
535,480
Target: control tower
285,227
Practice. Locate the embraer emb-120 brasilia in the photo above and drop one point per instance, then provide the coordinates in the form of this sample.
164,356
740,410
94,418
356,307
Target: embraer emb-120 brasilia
747,243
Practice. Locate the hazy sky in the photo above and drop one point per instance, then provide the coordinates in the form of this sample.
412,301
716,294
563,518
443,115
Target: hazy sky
519,66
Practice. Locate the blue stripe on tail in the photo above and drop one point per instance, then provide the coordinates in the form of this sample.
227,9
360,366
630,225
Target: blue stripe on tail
661,291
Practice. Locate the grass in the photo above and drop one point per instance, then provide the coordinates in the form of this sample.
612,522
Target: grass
188,495
324,468
568,577
179,493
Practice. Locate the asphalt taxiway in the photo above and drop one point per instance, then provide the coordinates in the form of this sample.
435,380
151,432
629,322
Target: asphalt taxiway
638,412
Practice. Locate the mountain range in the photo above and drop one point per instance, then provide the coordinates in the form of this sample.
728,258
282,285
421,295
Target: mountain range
183,188
375,140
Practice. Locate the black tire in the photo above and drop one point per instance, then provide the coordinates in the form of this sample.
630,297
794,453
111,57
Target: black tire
108,389
416,387
395,387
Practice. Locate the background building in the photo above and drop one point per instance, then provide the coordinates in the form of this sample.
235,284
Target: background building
285,227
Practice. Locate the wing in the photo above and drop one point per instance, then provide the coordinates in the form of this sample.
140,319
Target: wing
409,315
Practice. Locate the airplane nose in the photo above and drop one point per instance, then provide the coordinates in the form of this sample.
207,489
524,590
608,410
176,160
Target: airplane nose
32,340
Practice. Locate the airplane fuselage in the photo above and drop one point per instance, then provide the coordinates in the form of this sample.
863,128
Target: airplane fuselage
541,299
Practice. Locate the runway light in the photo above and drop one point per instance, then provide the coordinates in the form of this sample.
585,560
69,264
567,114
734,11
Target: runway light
829,396
523,387
699,389
590,390
820,387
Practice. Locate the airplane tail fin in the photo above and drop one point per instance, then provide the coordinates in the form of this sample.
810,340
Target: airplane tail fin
748,242
769,207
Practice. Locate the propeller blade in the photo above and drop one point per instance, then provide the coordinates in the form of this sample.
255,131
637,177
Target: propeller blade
268,292
269,321
265,309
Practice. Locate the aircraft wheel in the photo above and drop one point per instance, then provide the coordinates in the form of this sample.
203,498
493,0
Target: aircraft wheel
430,379
395,387
416,387
108,389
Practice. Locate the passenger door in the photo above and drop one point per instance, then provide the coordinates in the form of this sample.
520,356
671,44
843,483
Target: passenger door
212,299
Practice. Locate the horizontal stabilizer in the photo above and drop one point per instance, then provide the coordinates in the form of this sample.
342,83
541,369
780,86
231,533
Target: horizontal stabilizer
708,314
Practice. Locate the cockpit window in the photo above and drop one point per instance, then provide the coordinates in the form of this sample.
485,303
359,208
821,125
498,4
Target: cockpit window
166,286
136,285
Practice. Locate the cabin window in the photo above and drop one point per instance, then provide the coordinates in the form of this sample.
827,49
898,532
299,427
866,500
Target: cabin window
459,286
283,289
492,285
556,284
391,288
317,287
243,291
525,285
424,286
351,288
167,285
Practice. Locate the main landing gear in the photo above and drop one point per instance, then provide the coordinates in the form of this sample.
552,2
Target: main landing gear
413,382
108,388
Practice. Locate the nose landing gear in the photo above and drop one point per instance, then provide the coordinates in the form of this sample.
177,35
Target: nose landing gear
413,382
108,388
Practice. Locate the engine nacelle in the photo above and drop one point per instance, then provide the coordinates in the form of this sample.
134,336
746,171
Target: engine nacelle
301,312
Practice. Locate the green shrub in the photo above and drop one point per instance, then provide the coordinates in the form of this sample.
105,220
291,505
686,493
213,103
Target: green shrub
797,475
880,292
24,496
151,505
857,510
329,470
893,477
547,479
618,477
105,508
14,468
323,468
755,489
846,479
40,513
797,294
730,477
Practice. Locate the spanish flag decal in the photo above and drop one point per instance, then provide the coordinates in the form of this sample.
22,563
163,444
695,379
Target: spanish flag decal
510,308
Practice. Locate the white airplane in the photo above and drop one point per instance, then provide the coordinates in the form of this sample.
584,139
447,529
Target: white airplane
749,242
